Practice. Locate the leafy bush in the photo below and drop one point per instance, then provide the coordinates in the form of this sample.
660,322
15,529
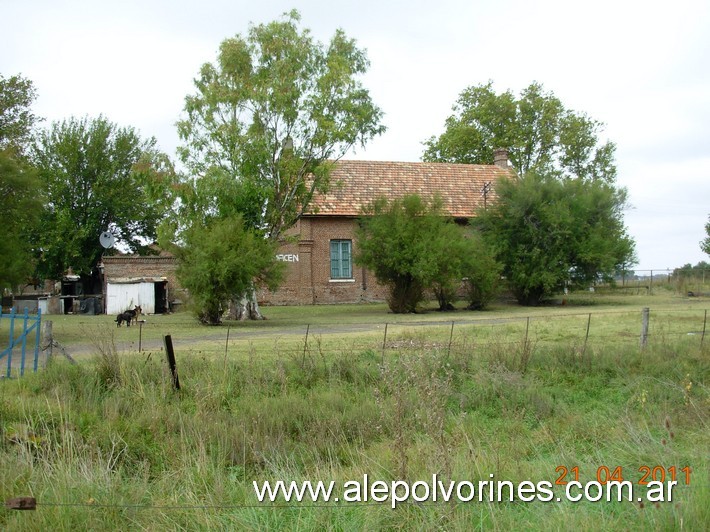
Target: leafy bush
481,273
406,244
547,232
412,245
221,261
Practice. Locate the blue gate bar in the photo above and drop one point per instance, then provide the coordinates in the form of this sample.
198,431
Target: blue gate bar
12,342
24,342
21,339
38,332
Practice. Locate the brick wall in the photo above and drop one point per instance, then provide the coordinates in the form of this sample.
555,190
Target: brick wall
307,276
127,266
308,280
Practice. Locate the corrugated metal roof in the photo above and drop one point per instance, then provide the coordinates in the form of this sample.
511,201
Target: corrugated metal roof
133,280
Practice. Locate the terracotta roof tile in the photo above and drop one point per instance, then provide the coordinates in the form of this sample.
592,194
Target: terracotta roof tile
357,183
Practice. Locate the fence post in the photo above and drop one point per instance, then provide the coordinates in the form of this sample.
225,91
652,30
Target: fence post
305,345
644,326
451,337
226,347
705,321
171,361
586,337
384,344
140,336
47,340
21,503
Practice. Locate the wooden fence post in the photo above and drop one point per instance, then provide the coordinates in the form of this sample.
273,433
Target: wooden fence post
47,340
451,338
586,337
226,347
140,336
50,343
644,326
171,361
21,503
305,346
384,344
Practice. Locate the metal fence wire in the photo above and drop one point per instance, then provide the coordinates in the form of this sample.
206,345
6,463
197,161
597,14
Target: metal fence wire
580,330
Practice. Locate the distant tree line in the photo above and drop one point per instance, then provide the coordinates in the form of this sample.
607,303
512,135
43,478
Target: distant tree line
688,270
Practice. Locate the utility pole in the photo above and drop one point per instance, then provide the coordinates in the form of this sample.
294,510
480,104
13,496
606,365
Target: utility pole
485,191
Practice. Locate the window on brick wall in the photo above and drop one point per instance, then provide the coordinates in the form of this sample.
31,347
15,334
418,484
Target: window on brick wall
340,259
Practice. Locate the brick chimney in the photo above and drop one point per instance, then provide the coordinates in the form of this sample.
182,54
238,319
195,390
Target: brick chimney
500,158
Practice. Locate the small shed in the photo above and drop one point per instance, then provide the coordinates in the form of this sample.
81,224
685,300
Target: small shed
148,280
150,293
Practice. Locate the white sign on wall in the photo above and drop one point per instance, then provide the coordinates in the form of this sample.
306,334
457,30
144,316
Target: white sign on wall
287,257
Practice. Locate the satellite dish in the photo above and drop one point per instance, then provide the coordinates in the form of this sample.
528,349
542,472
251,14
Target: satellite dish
107,239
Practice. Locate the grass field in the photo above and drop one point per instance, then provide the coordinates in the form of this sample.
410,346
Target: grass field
336,393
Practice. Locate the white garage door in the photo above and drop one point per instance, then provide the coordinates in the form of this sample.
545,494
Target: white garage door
125,296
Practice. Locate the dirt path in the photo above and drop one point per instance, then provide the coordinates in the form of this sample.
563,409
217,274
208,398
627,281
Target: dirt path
237,334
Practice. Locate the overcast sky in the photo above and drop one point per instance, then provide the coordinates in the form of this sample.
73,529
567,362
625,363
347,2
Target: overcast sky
640,67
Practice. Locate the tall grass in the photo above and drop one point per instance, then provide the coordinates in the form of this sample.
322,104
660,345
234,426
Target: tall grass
108,444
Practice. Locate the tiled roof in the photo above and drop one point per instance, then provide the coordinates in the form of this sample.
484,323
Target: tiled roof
357,183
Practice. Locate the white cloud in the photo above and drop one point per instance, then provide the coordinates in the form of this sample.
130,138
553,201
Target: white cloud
638,66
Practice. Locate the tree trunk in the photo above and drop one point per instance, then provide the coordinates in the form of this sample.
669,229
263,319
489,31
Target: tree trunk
245,308
211,316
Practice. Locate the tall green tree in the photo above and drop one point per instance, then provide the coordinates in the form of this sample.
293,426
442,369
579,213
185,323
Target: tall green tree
561,220
705,243
20,194
20,205
17,94
548,232
538,131
267,121
97,177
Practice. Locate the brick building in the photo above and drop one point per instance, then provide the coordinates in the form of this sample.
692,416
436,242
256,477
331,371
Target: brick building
319,261
148,281
320,267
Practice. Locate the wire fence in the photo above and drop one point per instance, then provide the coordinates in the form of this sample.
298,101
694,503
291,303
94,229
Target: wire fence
299,506
583,330
580,330
692,282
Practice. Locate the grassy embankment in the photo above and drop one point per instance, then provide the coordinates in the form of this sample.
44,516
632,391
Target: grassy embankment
107,444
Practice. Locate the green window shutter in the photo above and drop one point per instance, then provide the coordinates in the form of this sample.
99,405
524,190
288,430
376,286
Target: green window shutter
340,259
334,259
345,269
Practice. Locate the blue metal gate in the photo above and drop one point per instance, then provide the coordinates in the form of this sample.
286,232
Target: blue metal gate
29,324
